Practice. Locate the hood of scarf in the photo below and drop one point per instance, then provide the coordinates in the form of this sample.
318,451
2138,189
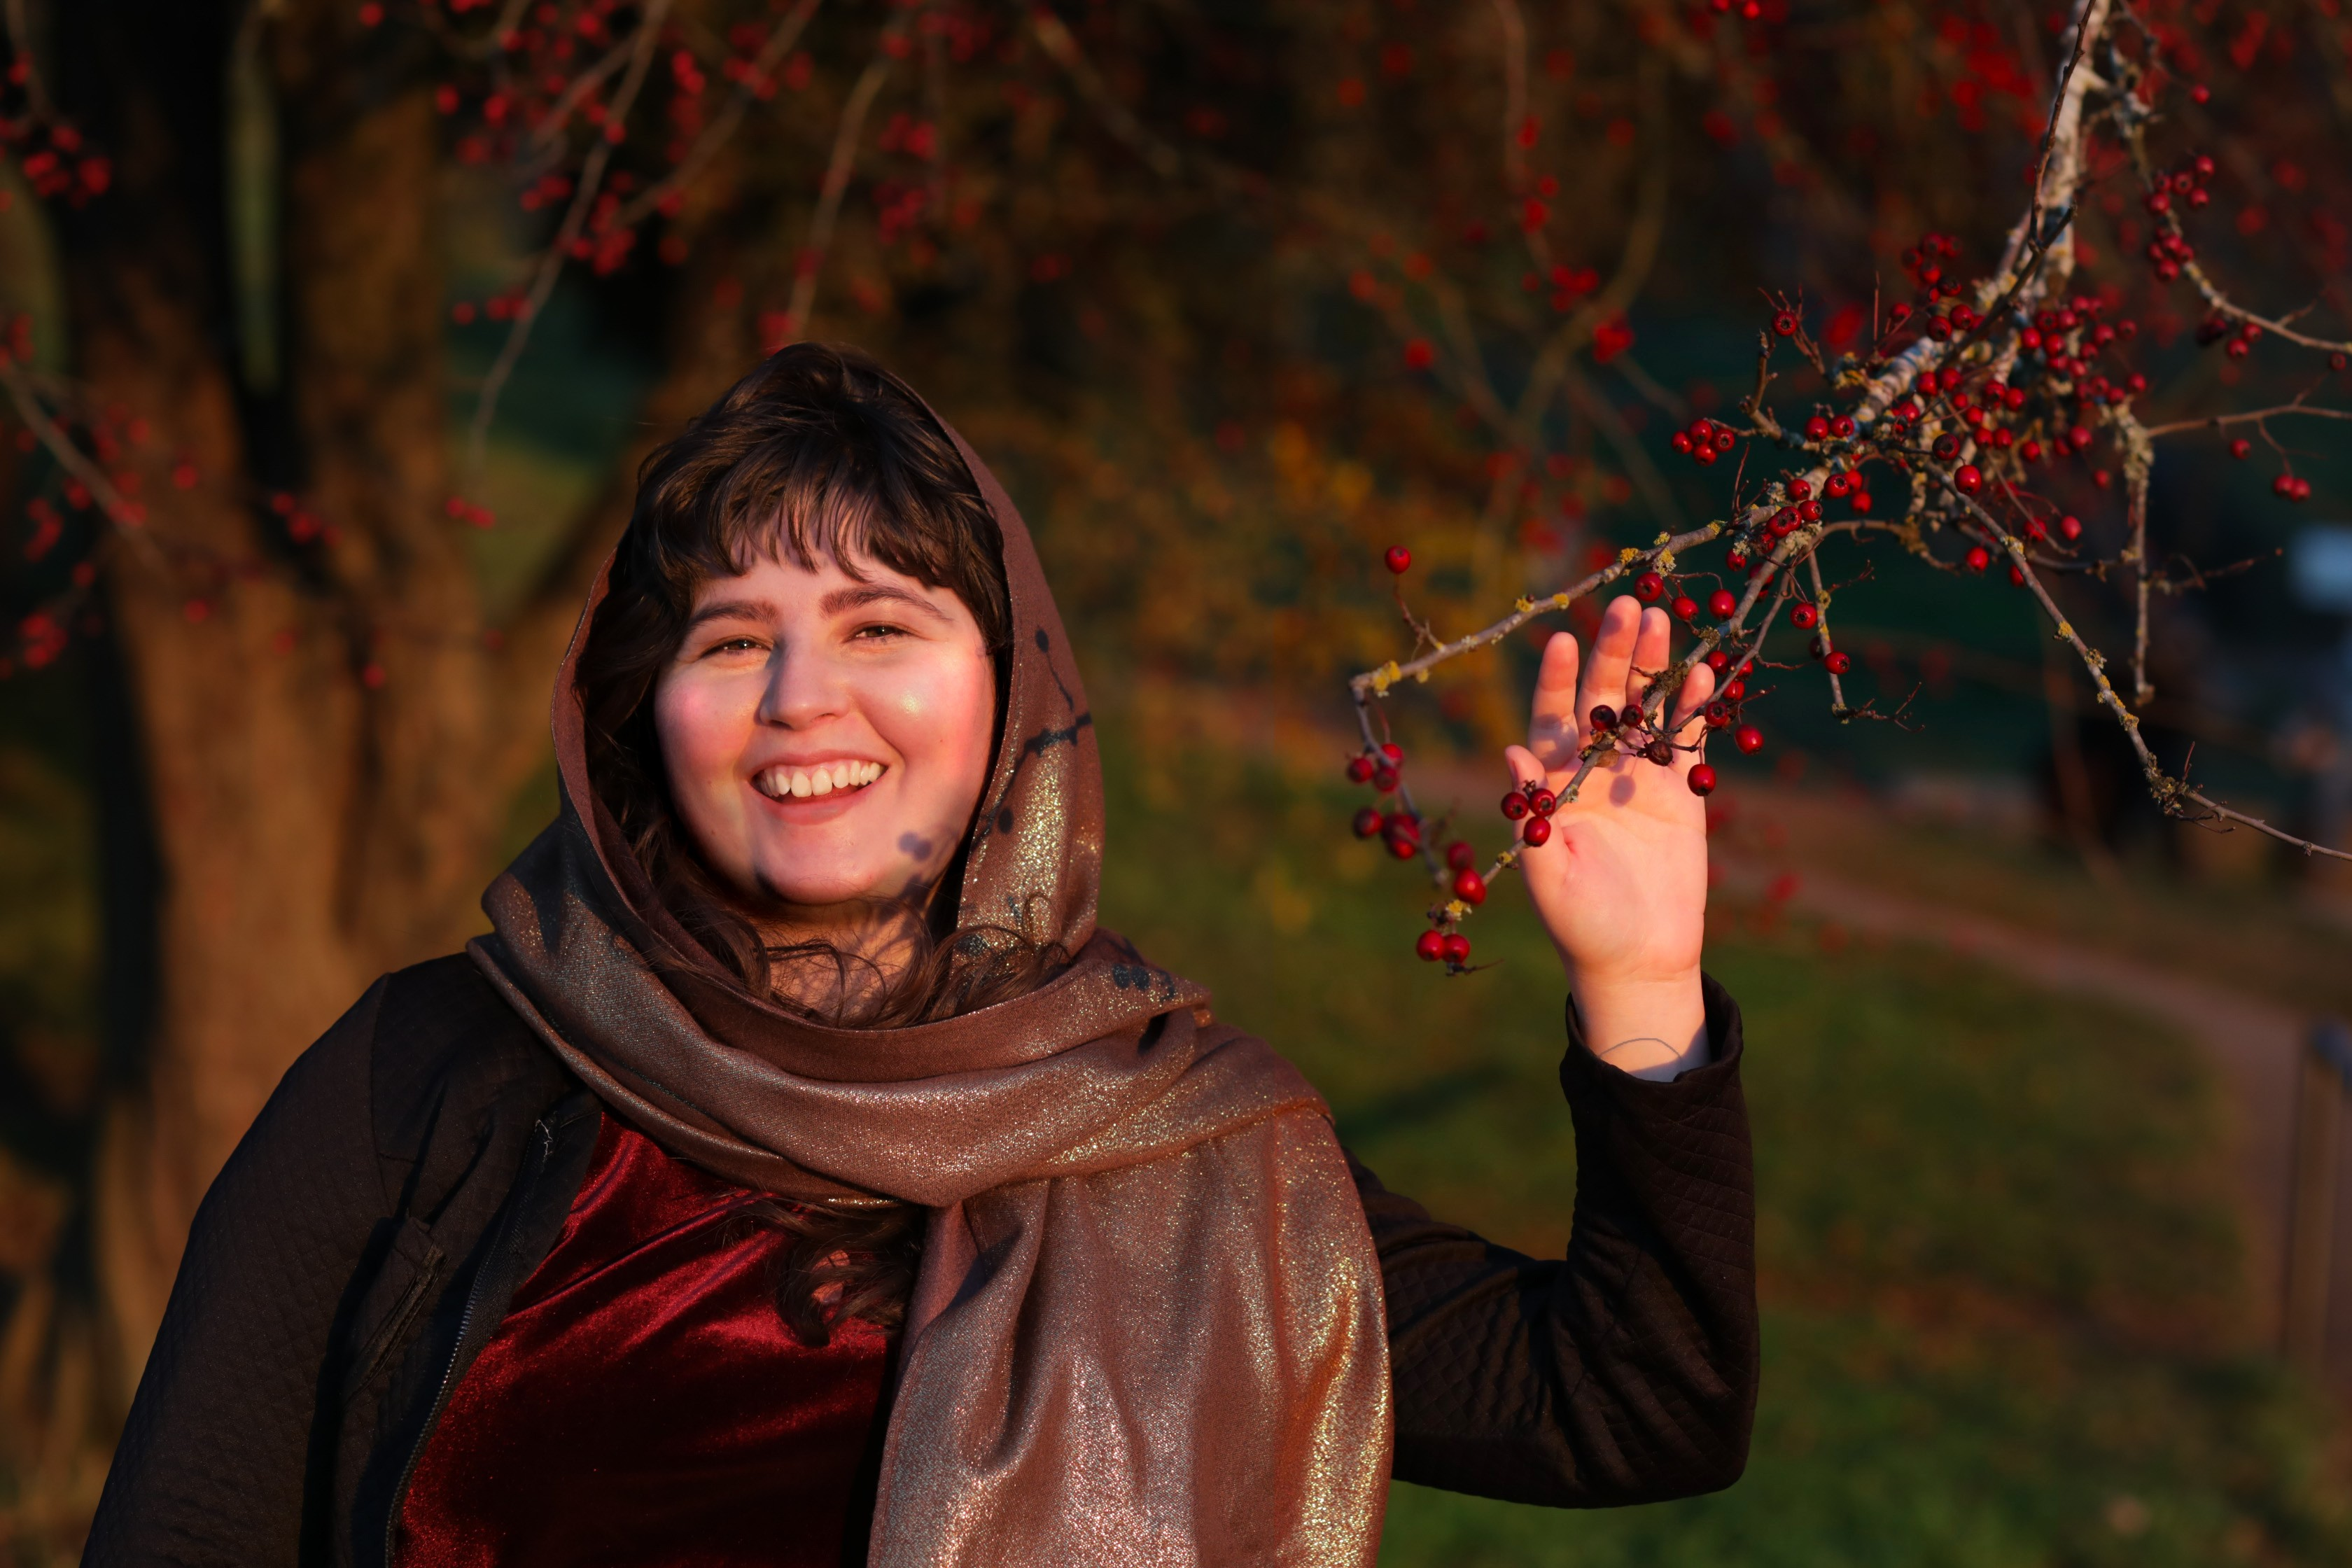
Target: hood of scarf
1147,1325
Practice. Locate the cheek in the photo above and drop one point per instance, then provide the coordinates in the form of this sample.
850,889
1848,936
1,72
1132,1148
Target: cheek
942,720
701,733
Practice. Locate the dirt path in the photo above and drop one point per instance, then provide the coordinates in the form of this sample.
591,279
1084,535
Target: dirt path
2253,1042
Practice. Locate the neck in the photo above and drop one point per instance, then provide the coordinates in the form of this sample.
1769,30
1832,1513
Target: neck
837,961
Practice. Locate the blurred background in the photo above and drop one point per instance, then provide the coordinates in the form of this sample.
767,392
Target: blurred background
335,330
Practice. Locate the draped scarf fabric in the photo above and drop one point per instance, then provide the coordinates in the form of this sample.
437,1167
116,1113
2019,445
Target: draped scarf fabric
1148,1327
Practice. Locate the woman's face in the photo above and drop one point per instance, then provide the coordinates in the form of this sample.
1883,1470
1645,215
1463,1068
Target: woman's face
826,736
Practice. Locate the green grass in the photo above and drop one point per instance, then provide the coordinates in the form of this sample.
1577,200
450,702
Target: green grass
2003,1319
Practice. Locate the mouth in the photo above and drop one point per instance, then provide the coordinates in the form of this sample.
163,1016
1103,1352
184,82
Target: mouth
846,776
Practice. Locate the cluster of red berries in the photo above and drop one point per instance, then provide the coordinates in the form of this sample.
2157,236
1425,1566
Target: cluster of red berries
2184,186
1705,441
57,162
1382,767
1924,262
1531,806
2290,486
1470,887
2236,337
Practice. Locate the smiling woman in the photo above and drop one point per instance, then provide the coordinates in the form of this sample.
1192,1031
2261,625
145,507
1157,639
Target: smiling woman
798,1174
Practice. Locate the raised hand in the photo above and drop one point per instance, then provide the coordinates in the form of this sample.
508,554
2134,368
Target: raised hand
1621,883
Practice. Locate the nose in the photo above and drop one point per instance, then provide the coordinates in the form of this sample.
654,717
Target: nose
803,689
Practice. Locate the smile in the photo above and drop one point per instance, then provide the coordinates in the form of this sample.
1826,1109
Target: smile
780,783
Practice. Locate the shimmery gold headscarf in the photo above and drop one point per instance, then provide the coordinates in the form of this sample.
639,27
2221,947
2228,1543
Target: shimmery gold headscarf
1148,1327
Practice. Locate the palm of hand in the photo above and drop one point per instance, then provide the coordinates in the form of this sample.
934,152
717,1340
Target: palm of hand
1621,884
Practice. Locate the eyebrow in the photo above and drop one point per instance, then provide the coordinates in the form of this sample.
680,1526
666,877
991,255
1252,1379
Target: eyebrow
850,598
731,609
833,603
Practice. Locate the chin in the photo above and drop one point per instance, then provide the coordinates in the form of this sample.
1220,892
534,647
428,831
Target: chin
793,880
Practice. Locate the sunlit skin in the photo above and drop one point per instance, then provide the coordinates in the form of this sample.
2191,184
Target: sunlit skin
792,670
1622,886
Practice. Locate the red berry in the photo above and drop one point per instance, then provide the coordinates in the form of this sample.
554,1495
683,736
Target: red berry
1817,428
1604,717
1537,830
1721,603
1837,663
1515,805
1430,945
1701,779
2069,528
1384,779
1403,847
1684,606
1457,948
1368,823
1459,855
1784,325
1399,558
1542,802
1969,479
1469,887
1978,558
1800,488
1360,770
2283,485
1394,752
2242,448
1748,739
1718,661
1804,617
1734,692
1681,441
2016,576
1648,586
1843,426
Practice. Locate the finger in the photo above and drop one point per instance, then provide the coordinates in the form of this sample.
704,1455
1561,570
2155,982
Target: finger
1690,727
1612,655
1555,727
1651,644
1525,768
1697,686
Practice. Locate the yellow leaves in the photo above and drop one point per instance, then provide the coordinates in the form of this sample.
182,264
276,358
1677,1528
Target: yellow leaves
1385,676
1348,485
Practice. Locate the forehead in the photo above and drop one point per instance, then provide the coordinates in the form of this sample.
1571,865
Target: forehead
774,573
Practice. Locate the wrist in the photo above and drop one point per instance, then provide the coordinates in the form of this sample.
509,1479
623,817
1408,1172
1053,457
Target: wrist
1653,1027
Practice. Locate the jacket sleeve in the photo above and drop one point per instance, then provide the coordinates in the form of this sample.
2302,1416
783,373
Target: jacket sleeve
212,1466
1623,1372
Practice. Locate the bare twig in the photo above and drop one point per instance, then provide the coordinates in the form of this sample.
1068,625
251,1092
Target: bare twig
575,218
836,179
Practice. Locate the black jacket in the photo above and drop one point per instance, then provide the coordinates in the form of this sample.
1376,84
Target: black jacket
415,1165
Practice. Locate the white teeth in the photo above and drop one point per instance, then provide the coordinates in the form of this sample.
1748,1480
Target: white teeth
793,784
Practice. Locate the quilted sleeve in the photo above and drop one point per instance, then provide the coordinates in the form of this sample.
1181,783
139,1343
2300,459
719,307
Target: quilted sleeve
211,1465
1623,1373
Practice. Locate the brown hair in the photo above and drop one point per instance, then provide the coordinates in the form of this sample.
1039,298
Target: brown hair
817,453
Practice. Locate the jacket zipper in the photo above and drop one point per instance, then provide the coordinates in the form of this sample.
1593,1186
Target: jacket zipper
490,1260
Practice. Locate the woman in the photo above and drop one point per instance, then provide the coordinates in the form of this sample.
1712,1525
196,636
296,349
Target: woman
796,1174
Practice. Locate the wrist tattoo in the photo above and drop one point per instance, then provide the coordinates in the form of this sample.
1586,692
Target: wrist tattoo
1636,1040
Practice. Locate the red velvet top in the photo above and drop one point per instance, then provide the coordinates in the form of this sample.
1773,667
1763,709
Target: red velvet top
643,1403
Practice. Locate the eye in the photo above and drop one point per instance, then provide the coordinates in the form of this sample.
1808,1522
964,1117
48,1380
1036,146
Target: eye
878,631
732,645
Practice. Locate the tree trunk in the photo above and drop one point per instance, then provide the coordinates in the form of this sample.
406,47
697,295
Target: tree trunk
332,743
315,713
